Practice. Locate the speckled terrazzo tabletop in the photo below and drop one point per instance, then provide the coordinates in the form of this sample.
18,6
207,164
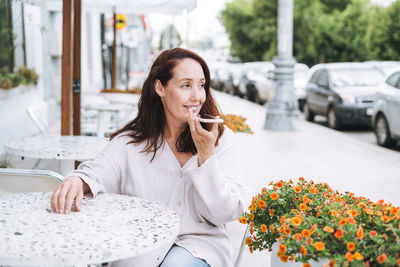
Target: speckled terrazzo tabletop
109,227
57,147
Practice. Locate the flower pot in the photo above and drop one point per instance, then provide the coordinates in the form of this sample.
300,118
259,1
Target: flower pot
276,261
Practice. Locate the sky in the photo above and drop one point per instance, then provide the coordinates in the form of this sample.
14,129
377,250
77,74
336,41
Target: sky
202,21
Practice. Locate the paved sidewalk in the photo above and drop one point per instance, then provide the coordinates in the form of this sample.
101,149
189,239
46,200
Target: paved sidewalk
314,152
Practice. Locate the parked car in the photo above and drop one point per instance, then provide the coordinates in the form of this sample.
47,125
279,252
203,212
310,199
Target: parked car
385,66
300,81
256,82
386,111
342,92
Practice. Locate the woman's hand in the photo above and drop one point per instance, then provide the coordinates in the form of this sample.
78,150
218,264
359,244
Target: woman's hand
203,139
70,190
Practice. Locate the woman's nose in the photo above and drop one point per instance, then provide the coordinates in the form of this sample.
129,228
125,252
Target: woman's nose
196,92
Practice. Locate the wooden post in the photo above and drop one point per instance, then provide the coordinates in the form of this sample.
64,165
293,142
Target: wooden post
114,55
76,71
66,68
10,36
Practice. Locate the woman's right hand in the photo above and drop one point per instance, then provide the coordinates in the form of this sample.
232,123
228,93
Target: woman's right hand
70,190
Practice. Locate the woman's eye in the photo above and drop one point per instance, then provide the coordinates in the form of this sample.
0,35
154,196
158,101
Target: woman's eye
202,85
186,85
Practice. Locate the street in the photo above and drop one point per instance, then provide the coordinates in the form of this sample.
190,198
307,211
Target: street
364,134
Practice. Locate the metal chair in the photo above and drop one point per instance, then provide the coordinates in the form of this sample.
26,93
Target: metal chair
24,181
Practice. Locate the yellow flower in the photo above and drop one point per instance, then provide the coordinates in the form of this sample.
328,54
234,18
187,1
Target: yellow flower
297,189
358,256
297,220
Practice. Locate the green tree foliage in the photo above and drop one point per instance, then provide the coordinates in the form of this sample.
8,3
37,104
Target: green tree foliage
383,33
324,30
238,20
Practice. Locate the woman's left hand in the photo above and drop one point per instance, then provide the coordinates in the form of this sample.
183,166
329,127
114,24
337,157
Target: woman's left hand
203,139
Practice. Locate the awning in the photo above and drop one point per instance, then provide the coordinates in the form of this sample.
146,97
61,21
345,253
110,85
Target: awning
126,6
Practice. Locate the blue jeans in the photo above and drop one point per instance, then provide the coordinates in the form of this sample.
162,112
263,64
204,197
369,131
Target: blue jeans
180,257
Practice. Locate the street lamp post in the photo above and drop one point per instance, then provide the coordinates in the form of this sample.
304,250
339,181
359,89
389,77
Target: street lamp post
282,112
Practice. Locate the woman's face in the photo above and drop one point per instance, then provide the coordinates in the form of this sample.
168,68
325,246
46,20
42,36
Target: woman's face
185,91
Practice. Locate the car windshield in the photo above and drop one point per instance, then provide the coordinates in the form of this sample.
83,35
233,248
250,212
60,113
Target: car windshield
355,77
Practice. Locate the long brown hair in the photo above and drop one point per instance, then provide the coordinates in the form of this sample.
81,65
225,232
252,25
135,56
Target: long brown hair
148,126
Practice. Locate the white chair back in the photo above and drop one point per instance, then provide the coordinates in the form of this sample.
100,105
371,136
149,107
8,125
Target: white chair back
24,181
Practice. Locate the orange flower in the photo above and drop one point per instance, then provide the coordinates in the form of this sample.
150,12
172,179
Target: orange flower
398,262
358,256
252,207
271,212
351,246
287,231
328,229
248,241
261,204
382,258
373,233
313,190
251,216
274,196
271,228
394,211
291,258
303,206
360,233
307,200
282,248
263,228
339,233
297,220
319,246
343,221
297,189
309,241
351,220
243,220
284,258
279,184
349,256
368,211
331,263
306,264
306,233
283,219
353,213
303,250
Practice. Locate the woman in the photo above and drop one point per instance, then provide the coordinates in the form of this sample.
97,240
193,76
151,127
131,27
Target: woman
165,154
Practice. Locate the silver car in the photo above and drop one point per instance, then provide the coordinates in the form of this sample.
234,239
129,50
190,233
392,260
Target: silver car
386,111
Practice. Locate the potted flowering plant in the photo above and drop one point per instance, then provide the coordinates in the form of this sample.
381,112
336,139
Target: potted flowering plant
312,222
236,123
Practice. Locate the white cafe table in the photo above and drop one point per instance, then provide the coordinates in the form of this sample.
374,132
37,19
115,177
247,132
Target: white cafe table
103,109
109,227
67,149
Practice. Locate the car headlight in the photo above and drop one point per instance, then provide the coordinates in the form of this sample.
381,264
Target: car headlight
348,99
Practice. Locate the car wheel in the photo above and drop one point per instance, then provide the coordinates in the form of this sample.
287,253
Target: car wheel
333,121
382,132
308,114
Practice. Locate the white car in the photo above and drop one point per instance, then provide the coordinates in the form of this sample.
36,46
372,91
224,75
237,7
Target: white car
386,111
258,85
